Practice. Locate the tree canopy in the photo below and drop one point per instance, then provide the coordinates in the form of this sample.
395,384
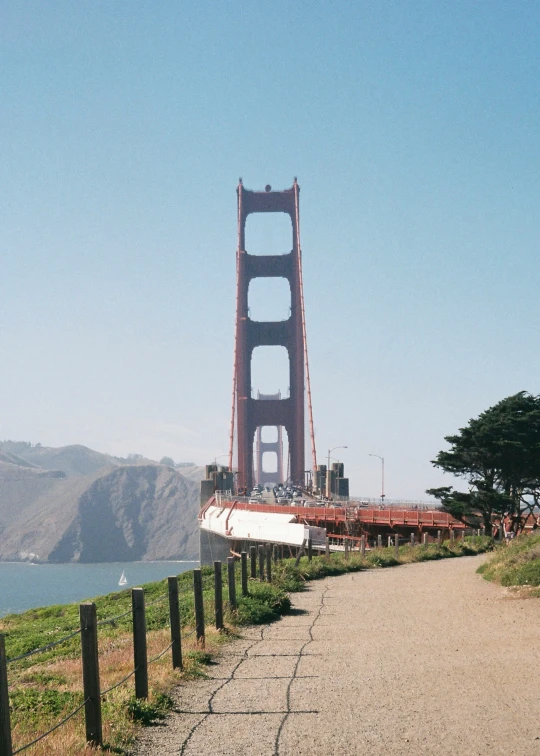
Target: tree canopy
498,454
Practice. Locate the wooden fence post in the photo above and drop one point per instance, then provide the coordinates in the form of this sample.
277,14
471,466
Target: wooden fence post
363,546
218,595
269,562
253,561
174,614
452,535
199,605
413,539
438,538
261,563
6,748
243,557
90,669
232,582
389,541
424,539
275,553
309,549
379,541
396,546
327,548
139,643
346,547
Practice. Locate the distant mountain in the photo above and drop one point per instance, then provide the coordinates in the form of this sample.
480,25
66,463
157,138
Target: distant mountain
72,460
13,459
73,504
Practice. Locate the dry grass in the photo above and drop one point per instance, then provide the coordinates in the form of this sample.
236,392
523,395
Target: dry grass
64,676
45,692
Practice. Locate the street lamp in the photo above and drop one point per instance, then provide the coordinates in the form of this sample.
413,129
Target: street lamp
220,456
331,450
382,483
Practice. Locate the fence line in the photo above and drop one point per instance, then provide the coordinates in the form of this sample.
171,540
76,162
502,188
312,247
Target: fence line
90,658
89,636
45,734
112,620
43,648
118,684
89,625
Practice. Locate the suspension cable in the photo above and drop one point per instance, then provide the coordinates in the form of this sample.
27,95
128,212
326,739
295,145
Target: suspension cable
233,403
304,336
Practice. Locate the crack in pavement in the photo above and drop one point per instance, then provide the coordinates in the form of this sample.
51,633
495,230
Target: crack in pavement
294,677
226,680
244,657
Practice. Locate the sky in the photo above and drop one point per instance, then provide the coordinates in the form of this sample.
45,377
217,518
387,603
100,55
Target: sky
413,130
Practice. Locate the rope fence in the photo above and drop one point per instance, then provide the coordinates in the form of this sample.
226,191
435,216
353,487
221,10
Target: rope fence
118,684
56,726
224,575
158,656
43,648
113,620
88,632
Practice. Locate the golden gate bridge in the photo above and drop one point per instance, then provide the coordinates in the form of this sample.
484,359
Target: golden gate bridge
229,514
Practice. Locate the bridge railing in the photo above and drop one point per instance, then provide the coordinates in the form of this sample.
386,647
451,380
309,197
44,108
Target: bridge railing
222,497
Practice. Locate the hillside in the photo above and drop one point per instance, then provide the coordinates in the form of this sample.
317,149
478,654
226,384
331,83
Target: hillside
73,504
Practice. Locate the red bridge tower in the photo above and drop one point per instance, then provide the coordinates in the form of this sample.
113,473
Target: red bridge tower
251,413
261,475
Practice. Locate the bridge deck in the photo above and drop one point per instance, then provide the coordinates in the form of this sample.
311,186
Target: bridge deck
390,517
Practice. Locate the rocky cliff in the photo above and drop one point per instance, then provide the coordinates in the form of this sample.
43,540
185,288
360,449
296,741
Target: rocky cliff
94,508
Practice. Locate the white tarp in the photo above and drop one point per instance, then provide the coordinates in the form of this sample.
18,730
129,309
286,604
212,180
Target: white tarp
256,526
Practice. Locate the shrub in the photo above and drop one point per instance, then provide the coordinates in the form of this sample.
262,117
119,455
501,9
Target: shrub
515,564
148,711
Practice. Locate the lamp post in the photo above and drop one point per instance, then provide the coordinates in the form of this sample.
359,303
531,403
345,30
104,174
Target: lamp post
220,456
330,451
382,467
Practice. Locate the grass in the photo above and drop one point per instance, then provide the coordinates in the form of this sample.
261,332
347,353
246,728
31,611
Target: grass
516,565
46,687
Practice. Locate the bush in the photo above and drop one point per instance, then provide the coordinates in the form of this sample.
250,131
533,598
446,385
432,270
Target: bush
265,603
146,712
515,564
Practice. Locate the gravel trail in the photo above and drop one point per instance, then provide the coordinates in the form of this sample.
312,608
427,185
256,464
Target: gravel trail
425,658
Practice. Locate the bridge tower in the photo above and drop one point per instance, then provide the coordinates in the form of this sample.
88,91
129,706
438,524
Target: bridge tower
269,446
288,412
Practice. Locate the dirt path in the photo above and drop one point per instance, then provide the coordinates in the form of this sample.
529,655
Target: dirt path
427,658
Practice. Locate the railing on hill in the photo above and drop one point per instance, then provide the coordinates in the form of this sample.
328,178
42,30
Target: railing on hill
257,565
92,695
88,631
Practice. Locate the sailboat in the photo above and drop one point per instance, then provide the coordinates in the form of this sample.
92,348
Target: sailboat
123,579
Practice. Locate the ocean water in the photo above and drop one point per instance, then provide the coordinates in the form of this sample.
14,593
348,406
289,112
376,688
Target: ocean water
27,586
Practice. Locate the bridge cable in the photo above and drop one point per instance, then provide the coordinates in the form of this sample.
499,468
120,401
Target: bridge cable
304,336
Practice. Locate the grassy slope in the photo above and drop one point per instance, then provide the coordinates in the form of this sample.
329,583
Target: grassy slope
46,687
517,564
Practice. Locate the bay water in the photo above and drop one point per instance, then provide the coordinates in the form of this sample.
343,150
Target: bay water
27,586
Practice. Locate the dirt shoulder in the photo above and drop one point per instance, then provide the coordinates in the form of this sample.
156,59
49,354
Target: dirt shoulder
426,658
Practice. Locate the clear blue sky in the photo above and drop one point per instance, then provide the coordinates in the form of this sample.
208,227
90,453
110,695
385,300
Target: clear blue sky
413,129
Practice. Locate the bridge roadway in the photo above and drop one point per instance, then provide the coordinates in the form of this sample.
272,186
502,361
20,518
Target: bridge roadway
425,658
391,517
